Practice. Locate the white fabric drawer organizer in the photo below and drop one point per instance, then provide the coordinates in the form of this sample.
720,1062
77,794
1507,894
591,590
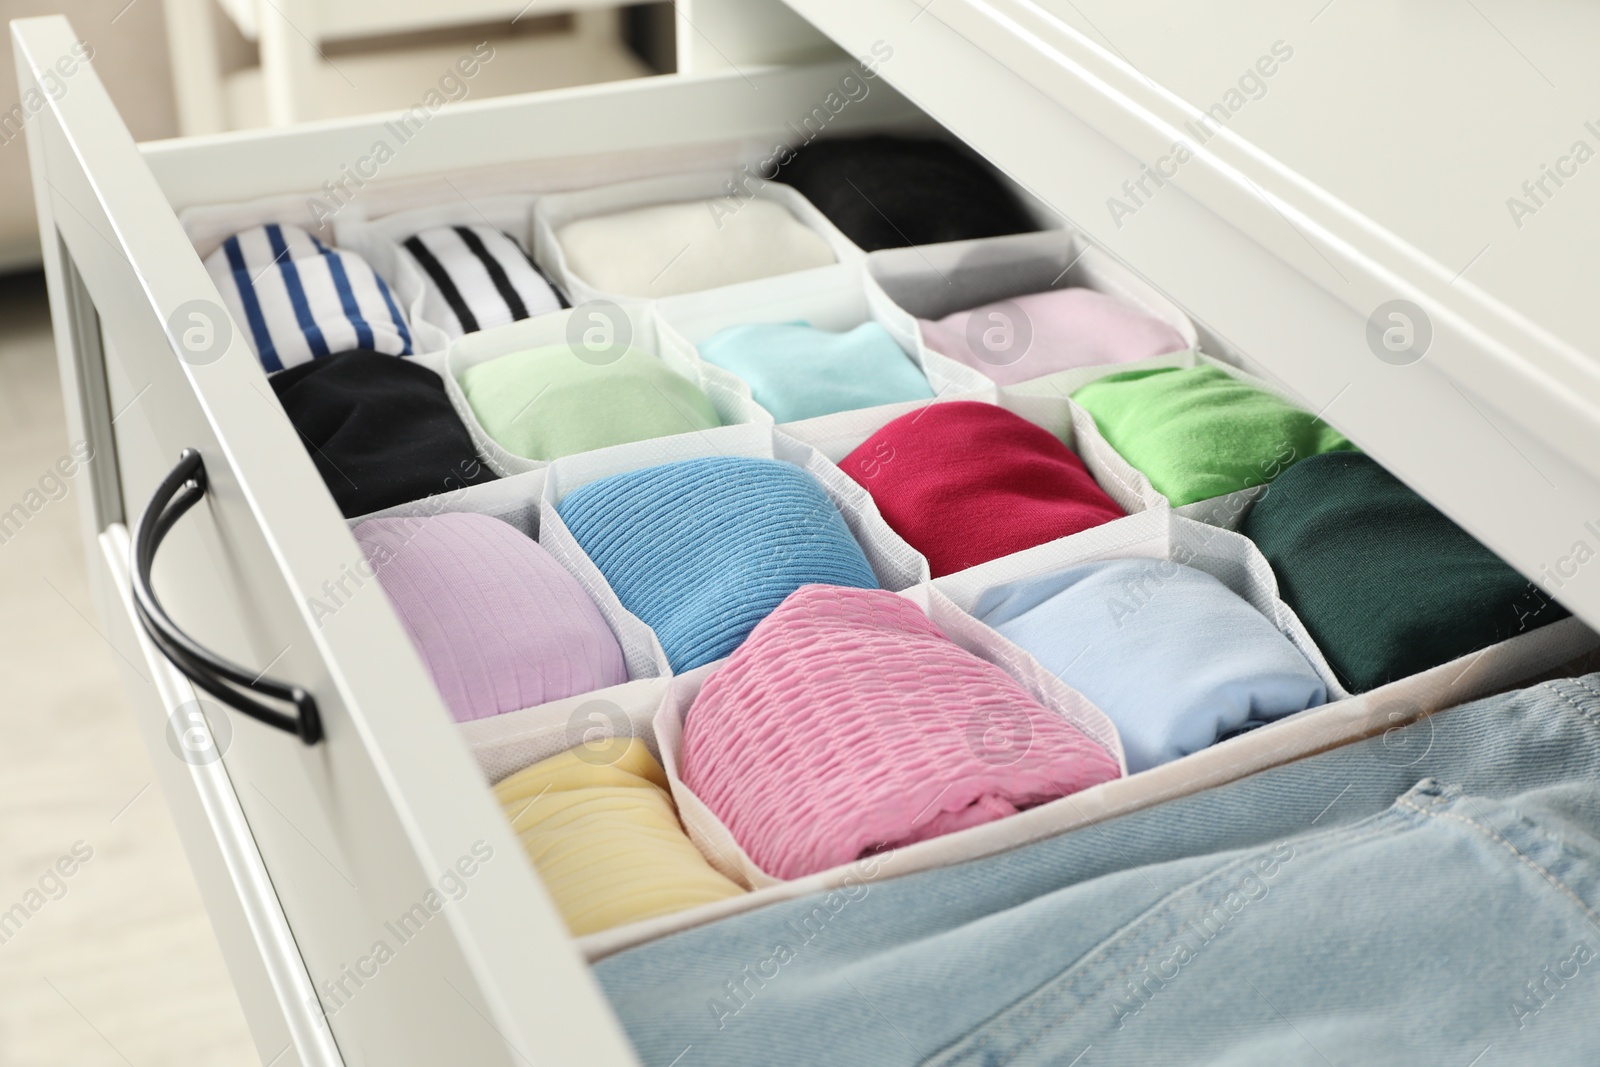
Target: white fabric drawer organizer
308,854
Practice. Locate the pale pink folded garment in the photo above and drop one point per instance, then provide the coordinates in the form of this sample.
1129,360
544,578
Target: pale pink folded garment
1030,336
848,723
500,624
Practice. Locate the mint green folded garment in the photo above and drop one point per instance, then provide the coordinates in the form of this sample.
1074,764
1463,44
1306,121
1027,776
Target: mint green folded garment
797,371
1199,432
547,403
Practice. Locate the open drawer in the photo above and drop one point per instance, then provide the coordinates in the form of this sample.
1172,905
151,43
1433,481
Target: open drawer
361,834
382,833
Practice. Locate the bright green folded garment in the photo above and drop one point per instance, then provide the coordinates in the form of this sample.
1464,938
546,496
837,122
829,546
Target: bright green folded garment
1199,432
548,403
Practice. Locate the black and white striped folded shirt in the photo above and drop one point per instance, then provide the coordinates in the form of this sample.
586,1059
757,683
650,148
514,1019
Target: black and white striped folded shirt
478,278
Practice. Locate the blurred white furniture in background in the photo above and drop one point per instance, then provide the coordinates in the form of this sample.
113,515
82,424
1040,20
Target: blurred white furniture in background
297,81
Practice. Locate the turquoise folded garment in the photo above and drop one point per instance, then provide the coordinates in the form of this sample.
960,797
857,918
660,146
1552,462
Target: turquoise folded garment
798,372
1176,659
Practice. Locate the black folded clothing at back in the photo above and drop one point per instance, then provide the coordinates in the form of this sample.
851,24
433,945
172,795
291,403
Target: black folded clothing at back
379,428
891,192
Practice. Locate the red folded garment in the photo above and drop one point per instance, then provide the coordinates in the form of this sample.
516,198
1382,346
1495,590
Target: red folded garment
966,482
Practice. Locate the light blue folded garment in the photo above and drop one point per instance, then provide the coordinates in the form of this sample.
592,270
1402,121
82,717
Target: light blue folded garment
799,372
1174,657
703,549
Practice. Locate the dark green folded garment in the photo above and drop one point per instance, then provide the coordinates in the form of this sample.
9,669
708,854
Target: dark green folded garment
1199,432
1387,585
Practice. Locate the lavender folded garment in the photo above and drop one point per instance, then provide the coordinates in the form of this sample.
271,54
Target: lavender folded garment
1030,336
500,624
848,723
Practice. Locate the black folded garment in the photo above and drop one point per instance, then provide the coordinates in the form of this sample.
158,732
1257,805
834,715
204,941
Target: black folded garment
379,428
891,192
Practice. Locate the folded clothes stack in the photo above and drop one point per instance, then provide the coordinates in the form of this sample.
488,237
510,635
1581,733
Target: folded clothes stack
1030,336
1386,584
965,482
477,278
498,622
1175,658
551,402
380,430
893,192
1200,432
848,723
600,828
702,550
666,249
302,300
796,371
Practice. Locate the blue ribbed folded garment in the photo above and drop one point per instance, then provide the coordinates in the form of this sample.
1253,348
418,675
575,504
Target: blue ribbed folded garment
798,372
703,549
1174,657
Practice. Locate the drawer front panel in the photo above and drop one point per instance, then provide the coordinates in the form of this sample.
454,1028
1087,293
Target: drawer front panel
263,960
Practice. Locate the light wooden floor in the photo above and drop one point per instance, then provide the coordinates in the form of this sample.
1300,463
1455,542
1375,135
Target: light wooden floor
122,969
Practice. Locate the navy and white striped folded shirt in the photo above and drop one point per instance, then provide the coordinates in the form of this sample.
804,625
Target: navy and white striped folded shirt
478,278
300,300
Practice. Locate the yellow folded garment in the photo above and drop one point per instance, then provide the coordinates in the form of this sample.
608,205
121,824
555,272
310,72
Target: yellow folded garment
601,829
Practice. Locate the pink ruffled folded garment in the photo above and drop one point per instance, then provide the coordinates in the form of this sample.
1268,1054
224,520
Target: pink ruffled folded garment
848,723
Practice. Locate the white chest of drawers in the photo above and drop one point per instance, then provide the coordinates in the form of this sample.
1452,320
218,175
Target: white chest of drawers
1281,235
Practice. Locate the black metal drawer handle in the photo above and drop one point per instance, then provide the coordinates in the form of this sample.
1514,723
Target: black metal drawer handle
176,494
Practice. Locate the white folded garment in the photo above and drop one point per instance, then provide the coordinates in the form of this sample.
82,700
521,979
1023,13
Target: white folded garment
666,249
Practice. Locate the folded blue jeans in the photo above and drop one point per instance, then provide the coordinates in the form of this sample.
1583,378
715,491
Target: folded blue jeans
1430,895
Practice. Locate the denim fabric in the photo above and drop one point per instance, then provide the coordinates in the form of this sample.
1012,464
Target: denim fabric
1428,896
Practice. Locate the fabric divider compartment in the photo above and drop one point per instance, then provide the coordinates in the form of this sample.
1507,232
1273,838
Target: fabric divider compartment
551,213
348,203
505,744
513,500
1228,510
1125,483
717,842
917,128
594,334
495,740
1231,558
829,298
320,211
938,280
896,564
209,226
380,242
836,436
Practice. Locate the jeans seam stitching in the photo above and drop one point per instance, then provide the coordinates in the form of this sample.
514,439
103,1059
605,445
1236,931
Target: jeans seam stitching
1588,714
1498,838
1591,713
